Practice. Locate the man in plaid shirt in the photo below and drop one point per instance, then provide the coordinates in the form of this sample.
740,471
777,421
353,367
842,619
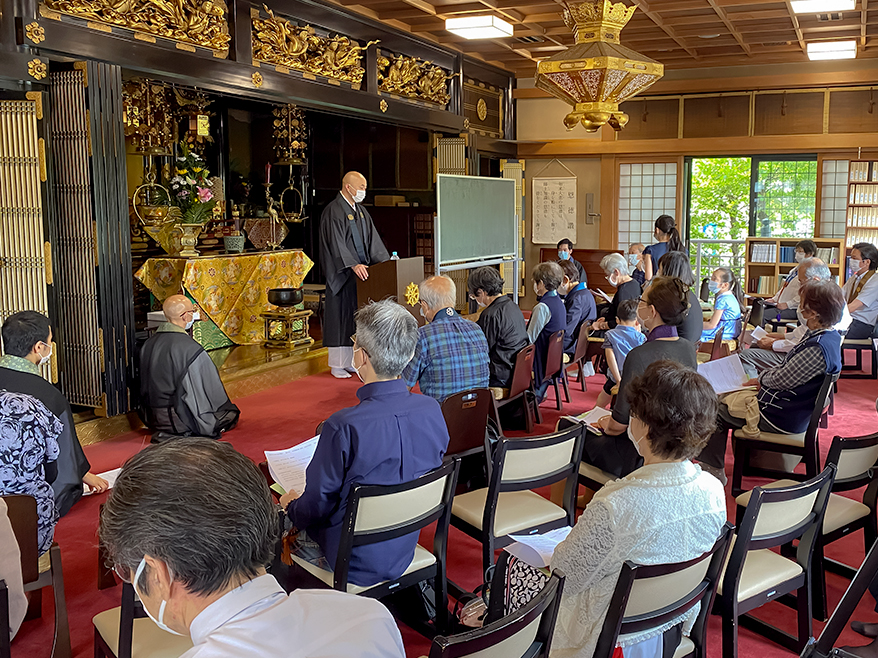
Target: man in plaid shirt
452,353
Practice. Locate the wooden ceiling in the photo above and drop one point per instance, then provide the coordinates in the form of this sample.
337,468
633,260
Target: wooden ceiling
677,33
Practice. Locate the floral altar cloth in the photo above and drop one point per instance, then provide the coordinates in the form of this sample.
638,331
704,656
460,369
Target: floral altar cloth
231,290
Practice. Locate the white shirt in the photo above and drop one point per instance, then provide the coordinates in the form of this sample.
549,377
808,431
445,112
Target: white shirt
659,514
868,313
790,293
260,619
794,337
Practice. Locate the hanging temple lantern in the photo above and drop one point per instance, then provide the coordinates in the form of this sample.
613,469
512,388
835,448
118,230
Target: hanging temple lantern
597,73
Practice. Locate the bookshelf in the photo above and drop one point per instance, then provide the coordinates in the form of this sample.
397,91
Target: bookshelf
769,260
862,210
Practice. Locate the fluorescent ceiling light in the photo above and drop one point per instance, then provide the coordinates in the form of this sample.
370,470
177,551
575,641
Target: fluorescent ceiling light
821,6
479,27
832,50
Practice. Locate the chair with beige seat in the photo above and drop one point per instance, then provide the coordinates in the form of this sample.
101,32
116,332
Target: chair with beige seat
526,633
755,574
793,448
508,506
377,513
648,597
857,462
127,632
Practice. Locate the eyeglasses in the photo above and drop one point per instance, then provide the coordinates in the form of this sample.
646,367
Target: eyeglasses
125,573
354,338
189,312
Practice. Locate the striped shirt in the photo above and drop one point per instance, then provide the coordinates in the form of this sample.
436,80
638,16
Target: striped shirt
451,356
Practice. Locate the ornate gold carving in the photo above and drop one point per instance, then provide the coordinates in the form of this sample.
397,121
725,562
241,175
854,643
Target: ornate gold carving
257,79
482,109
466,123
148,116
37,98
290,134
277,40
82,66
412,294
41,150
35,32
413,78
37,69
598,20
197,22
383,105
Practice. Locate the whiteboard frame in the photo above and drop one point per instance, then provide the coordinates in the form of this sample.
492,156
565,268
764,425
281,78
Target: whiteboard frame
472,263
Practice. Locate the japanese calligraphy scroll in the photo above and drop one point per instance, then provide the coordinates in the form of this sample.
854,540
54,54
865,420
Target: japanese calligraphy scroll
554,209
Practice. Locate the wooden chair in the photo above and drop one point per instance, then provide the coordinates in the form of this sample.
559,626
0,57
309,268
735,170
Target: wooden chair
466,415
522,389
704,291
856,461
648,597
803,446
589,476
859,346
526,633
584,352
755,574
128,632
22,511
508,506
555,367
377,513
711,351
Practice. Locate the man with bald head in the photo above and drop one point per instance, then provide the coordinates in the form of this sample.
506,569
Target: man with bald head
770,350
181,393
349,244
452,353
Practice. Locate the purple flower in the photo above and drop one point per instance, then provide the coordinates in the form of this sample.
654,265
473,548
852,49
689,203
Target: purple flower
204,194
183,194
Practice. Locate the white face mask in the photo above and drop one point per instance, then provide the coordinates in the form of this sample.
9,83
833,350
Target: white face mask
45,359
612,281
855,265
360,349
421,310
631,436
160,621
195,318
800,256
359,195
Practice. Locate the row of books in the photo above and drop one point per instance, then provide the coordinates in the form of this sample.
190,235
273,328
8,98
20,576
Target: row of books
863,194
787,254
828,255
863,217
859,171
855,235
762,252
764,285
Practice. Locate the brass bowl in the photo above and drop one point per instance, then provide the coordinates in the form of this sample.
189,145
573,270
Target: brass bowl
285,297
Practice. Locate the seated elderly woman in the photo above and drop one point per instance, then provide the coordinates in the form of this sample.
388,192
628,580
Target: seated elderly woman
676,264
548,316
190,523
501,321
660,311
615,267
787,392
666,511
28,459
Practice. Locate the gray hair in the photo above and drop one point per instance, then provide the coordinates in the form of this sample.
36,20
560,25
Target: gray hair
196,504
612,262
438,292
388,334
815,268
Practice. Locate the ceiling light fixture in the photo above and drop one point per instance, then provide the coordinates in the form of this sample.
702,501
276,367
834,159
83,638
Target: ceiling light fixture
708,36
822,6
479,27
832,50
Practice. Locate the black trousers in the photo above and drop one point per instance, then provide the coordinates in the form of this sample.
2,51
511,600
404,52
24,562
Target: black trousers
614,454
338,315
859,330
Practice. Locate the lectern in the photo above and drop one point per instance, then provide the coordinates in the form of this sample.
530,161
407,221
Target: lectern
394,278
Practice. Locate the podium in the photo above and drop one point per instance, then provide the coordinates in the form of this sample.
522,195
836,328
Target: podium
394,278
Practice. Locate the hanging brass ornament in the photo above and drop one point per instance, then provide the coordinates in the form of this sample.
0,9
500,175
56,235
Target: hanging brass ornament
290,134
596,74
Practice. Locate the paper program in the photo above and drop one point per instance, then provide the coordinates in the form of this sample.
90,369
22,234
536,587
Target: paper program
288,467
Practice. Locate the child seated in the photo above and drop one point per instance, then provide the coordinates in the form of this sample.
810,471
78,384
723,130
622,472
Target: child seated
635,262
727,306
620,340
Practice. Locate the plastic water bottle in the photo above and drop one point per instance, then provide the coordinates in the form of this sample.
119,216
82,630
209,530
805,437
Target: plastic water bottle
394,256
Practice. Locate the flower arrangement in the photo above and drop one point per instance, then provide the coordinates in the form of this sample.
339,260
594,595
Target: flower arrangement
190,187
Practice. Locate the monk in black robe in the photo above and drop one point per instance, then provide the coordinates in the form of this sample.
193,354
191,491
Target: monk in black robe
27,344
349,244
181,393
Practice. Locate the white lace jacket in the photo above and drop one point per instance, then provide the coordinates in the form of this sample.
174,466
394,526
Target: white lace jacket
658,514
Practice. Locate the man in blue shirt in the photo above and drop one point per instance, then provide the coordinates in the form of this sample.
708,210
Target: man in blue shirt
391,436
452,353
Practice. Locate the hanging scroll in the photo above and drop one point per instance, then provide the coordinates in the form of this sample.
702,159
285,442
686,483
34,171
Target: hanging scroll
554,209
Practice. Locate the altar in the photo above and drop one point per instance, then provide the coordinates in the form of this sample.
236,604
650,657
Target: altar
231,290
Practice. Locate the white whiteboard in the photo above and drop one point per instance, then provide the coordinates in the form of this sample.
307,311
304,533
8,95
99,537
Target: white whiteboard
554,210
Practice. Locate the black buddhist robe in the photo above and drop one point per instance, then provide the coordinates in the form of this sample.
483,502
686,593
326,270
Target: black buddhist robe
339,252
16,377
180,387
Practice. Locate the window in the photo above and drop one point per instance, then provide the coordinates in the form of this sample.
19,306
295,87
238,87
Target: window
646,191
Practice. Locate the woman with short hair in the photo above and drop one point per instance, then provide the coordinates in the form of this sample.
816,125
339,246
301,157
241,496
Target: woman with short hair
666,511
548,316
660,311
615,267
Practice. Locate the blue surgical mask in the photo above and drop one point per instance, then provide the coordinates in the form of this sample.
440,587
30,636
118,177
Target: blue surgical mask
713,286
563,255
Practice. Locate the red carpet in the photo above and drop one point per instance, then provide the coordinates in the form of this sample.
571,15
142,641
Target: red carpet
288,414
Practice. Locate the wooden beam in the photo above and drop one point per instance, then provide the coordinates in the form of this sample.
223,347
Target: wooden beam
864,13
725,19
657,19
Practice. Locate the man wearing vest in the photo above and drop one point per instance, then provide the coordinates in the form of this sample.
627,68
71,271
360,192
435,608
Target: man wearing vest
861,291
548,316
